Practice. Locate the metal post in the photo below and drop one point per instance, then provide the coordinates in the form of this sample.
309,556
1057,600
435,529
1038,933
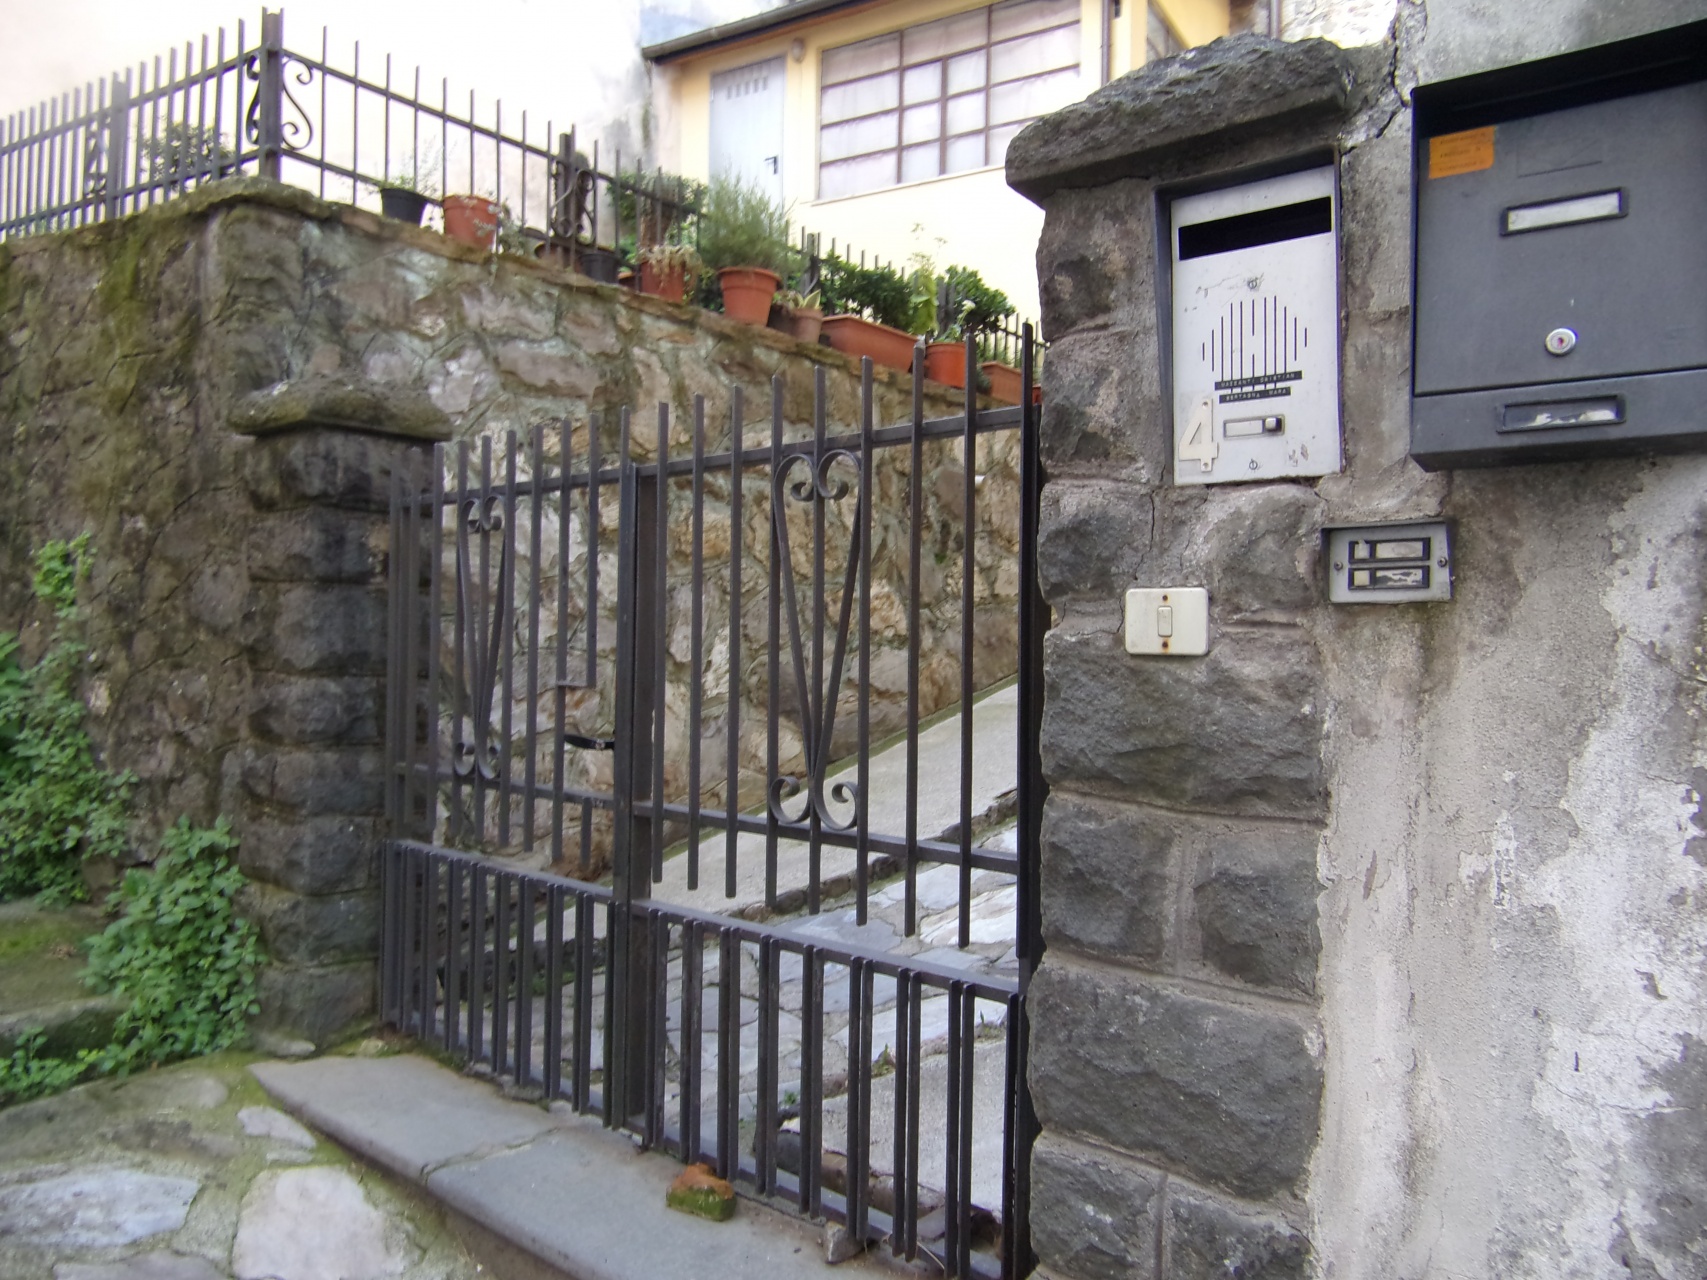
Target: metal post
269,95
637,635
118,147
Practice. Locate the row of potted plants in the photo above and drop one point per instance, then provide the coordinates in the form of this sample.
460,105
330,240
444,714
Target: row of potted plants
742,262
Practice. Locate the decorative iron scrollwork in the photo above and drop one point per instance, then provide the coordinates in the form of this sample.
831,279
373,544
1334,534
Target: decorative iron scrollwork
294,134
482,750
817,706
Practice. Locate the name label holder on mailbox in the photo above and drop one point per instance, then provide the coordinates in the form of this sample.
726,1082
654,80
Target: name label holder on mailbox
1255,287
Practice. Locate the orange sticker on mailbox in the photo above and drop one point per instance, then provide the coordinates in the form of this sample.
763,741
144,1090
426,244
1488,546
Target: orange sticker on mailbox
1466,152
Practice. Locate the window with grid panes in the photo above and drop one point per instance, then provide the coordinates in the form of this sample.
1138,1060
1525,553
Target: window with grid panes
1160,40
944,96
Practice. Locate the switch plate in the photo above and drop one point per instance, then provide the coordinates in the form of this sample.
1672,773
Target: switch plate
1389,563
1172,622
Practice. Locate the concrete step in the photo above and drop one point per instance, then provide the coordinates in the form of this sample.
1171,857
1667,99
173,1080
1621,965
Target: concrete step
557,1186
41,979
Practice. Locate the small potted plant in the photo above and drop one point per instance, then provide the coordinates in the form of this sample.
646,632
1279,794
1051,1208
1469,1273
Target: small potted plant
669,271
744,239
472,220
406,194
801,315
871,309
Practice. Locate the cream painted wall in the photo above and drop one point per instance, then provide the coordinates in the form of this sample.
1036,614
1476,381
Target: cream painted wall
968,218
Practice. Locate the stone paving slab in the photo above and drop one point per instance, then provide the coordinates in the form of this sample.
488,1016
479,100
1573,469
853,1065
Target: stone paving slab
404,1113
557,1185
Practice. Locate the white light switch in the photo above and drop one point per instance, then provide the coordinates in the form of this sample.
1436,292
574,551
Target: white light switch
1171,621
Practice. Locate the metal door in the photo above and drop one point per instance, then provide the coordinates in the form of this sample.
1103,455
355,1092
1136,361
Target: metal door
746,125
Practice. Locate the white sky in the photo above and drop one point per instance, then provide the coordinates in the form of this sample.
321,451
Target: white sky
575,61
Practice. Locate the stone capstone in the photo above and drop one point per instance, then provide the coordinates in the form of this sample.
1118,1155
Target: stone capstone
1093,1214
1244,85
1228,1094
395,409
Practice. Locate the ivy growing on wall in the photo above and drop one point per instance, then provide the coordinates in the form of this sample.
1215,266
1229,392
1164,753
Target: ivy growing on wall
57,805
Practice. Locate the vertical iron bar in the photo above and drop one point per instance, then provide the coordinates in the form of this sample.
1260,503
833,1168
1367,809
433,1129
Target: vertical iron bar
915,536
728,1052
408,968
859,1096
477,965
693,1005
737,545
953,1212
963,1066
582,1069
660,587
911,1075
811,1060
435,638
453,959
902,1171
269,91
506,616
696,660
560,695
463,656
409,617
968,570
501,985
764,1109
524,980
429,948
536,504
862,534
773,709
590,614
821,702
393,666
480,641
552,1055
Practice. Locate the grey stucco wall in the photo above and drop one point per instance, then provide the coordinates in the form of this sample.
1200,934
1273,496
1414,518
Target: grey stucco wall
1378,937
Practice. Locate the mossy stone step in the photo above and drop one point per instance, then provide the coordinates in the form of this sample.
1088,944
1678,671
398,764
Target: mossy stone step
41,982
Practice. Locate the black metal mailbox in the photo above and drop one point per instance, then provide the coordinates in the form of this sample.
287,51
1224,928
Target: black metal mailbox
1560,302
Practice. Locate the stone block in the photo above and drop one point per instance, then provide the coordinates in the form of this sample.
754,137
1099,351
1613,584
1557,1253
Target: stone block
339,468
1238,731
302,710
316,544
1206,1239
1192,104
350,404
311,855
1093,537
1255,904
1104,405
1094,1214
1107,878
320,1003
348,780
338,629
1258,549
1228,1094
1096,260
299,931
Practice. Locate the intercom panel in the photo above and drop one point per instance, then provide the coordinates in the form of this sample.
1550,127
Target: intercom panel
1255,285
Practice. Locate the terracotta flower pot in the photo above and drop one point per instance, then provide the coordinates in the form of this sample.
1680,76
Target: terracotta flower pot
858,336
472,220
670,284
747,293
945,362
1005,381
806,323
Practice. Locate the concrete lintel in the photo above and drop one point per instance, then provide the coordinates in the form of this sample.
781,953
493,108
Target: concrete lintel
1188,103
386,409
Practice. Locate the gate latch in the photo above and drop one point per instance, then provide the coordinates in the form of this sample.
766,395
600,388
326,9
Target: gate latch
590,744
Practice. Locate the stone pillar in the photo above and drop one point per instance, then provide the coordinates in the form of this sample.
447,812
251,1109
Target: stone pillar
318,474
1176,1056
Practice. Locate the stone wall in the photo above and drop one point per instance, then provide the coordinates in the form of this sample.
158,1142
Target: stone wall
220,389
1374,938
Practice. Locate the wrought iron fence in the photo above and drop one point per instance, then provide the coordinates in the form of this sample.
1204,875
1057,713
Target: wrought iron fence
251,104
875,1085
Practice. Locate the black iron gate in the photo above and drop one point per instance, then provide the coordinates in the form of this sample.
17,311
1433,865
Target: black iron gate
852,1042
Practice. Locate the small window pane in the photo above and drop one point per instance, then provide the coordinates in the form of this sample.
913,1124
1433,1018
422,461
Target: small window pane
918,163
921,124
1047,51
965,153
966,72
966,113
1025,99
1017,17
923,84
947,35
854,60
856,137
1000,136
849,177
860,98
